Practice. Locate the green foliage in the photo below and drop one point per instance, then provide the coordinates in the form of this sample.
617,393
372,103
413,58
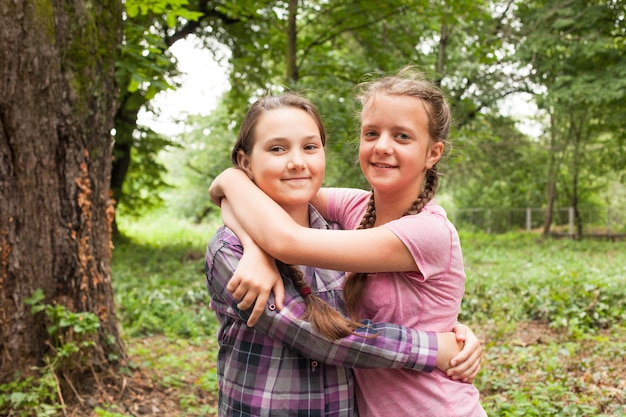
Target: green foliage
553,378
575,50
104,413
158,278
479,52
71,340
30,396
71,334
204,152
493,165
518,277
173,9
145,180
163,305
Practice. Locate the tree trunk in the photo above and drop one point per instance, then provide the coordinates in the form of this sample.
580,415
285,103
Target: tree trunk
57,104
292,36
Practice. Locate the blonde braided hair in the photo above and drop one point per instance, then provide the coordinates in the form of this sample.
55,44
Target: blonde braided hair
408,82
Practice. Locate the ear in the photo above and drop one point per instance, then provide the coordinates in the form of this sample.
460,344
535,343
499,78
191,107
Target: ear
244,162
434,154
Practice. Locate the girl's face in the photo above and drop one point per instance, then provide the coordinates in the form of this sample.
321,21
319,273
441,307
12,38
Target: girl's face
395,148
287,160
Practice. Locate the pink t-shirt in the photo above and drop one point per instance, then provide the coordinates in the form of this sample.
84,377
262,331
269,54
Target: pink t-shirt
425,300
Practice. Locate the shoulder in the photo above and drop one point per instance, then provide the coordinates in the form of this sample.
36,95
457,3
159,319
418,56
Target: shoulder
354,195
430,227
224,240
347,205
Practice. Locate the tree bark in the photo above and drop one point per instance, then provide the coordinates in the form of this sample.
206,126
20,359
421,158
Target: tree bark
292,39
57,106
552,176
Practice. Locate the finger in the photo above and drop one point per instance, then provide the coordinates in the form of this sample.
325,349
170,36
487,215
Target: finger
233,283
279,294
461,357
466,370
460,331
471,373
247,301
259,308
242,291
460,363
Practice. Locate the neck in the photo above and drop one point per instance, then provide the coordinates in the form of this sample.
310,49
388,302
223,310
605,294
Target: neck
392,206
300,214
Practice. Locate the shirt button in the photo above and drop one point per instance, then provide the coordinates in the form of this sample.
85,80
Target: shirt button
314,364
272,307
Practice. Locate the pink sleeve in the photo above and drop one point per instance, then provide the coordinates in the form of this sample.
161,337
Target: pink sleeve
346,206
433,241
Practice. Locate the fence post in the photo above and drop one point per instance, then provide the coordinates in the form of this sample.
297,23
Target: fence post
528,219
571,221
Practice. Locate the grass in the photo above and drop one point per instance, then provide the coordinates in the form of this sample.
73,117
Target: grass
550,315
163,306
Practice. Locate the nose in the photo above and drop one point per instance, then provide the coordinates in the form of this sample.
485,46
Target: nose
296,161
384,144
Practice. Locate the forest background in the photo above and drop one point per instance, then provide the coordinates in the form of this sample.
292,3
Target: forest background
553,332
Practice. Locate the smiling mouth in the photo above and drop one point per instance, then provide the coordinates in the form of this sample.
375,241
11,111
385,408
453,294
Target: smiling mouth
379,165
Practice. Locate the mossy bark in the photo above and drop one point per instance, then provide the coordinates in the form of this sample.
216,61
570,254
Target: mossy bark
57,106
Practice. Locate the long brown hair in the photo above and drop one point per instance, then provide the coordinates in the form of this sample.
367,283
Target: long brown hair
407,82
324,319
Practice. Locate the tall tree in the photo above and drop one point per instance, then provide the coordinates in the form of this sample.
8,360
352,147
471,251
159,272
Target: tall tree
577,52
147,67
57,104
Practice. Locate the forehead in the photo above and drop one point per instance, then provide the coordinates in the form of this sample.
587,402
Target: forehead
394,109
286,122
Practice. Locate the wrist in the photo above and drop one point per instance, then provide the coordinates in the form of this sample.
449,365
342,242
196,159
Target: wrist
448,348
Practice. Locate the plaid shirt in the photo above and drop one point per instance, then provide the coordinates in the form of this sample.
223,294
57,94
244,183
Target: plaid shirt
282,367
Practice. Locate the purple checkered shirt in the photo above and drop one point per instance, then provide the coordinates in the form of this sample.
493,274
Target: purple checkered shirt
282,367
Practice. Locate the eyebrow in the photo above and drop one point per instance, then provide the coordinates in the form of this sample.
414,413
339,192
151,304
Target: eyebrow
284,139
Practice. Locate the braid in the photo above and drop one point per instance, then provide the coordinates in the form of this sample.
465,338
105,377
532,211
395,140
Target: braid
355,281
324,319
431,183
370,215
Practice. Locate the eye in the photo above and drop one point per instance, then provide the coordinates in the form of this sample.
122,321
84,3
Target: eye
403,136
311,147
369,134
277,149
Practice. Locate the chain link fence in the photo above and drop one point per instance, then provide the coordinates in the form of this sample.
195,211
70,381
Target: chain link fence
597,222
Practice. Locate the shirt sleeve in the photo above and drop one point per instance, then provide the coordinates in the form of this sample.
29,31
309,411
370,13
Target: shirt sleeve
223,255
346,206
377,345
431,239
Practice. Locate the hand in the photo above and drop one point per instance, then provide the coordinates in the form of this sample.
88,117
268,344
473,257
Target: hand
216,190
255,277
466,364
448,347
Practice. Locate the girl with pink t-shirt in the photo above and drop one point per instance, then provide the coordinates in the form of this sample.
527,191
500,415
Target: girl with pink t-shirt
404,127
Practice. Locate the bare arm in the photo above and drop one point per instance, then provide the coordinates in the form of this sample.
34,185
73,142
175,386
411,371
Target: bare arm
370,250
256,274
